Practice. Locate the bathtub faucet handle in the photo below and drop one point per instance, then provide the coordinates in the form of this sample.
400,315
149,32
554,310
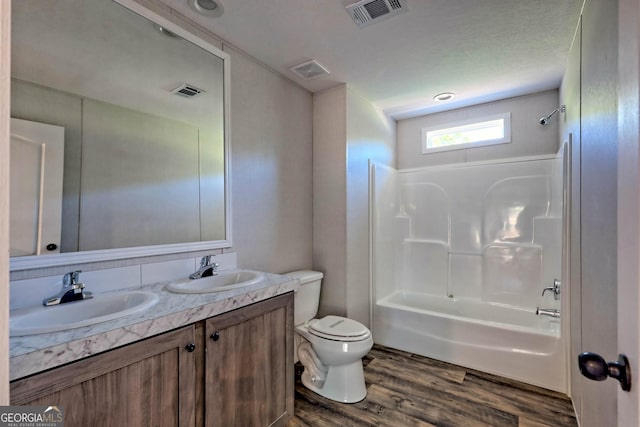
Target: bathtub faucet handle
555,289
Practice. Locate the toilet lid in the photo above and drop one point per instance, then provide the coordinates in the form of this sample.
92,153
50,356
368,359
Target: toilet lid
338,327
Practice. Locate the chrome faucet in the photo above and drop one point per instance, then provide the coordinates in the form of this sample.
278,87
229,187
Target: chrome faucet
207,268
551,312
71,290
555,289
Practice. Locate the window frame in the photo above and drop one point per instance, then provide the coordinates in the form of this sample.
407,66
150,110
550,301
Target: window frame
506,117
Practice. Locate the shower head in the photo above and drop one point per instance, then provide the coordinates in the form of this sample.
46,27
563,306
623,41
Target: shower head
544,120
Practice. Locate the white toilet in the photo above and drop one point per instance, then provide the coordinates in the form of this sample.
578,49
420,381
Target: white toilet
331,348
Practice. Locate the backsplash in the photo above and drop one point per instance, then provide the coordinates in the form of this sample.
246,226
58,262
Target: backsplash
31,292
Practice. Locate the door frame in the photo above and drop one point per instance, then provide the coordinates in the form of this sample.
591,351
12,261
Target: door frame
5,79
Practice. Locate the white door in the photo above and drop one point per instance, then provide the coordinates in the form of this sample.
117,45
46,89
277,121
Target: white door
35,218
629,205
612,326
629,264
598,206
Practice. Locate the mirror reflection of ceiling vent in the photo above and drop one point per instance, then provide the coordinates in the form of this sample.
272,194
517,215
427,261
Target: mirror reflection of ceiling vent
367,12
187,90
310,70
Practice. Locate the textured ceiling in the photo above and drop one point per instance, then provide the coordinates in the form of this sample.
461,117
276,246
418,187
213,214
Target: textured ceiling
482,50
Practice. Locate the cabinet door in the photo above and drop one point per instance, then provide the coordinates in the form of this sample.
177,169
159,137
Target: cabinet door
148,383
249,365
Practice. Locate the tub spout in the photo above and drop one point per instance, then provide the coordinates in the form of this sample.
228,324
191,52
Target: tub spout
551,312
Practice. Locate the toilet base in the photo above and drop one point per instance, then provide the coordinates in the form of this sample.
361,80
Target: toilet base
343,383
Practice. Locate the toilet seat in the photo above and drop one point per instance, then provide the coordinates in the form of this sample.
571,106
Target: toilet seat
338,328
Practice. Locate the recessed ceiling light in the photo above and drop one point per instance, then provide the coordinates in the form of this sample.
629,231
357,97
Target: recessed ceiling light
207,7
445,96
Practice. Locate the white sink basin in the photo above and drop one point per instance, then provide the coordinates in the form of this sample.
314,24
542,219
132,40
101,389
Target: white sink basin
222,282
100,308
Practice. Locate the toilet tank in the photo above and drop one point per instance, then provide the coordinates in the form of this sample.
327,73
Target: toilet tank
307,297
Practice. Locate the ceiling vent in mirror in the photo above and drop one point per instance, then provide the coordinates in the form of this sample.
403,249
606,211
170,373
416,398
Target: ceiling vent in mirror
310,70
187,90
367,12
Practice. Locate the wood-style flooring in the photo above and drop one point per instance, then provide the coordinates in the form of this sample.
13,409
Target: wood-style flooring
405,389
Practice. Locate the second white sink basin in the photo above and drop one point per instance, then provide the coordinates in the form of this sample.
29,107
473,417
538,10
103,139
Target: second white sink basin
71,315
222,282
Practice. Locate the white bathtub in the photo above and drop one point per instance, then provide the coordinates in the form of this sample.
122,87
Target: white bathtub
499,339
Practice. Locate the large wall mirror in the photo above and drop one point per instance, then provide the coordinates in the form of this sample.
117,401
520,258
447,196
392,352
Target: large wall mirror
119,135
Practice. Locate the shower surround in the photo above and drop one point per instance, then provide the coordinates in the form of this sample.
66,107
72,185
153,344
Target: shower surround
461,254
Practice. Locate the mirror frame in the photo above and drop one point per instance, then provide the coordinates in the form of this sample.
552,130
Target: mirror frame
69,258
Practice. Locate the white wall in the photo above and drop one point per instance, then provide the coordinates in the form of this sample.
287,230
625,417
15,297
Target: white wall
347,132
528,137
330,196
271,162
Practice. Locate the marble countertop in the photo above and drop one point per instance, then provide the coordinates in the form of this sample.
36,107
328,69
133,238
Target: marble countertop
35,353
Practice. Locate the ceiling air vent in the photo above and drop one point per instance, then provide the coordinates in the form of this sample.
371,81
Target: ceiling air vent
367,12
187,90
310,70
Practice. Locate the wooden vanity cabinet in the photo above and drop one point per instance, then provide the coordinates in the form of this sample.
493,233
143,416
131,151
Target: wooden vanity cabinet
235,369
249,378
147,383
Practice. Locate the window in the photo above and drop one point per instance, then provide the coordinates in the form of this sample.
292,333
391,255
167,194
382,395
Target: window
489,130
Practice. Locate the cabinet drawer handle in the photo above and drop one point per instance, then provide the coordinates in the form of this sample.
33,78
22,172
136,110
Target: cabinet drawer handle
215,336
190,347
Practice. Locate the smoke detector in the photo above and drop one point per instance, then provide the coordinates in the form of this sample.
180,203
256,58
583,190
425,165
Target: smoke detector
310,70
187,90
367,12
